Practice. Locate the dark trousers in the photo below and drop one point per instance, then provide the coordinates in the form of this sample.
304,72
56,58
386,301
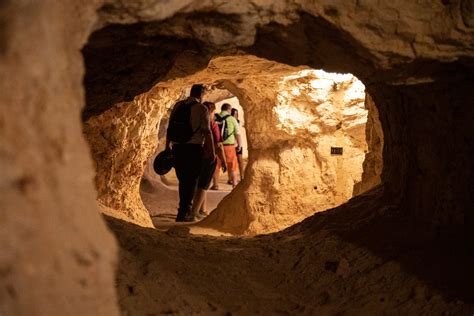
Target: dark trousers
187,159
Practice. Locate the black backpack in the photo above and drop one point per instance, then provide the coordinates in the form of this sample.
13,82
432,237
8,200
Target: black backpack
222,124
180,129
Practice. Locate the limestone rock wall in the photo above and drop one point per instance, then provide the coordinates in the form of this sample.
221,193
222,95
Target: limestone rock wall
294,119
416,59
291,174
393,32
145,40
57,257
391,46
121,141
373,162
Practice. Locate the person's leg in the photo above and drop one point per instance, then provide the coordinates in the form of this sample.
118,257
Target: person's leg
203,211
233,180
194,170
179,163
215,177
229,178
230,157
205,178
240,161
198,200
187,164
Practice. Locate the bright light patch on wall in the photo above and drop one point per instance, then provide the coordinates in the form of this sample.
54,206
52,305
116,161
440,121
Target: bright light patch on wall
316,88
291,118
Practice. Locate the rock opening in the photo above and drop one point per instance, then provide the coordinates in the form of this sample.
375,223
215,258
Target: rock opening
404,246
306,141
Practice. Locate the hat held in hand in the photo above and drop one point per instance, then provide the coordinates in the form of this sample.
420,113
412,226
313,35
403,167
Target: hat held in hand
163,162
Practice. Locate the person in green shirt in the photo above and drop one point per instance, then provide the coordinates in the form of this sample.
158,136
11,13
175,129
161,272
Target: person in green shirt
232,143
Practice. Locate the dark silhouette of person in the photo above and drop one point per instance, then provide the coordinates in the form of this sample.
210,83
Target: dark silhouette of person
188,156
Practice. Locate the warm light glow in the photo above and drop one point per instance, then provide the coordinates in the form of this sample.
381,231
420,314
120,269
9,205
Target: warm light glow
318,88
292,118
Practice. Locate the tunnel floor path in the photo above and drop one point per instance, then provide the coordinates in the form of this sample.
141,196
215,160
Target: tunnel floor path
160,197
361,258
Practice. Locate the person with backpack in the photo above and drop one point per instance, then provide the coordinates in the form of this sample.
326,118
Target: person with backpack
229,129
189,138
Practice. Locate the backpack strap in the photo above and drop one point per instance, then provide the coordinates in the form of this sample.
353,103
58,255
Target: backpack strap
193,103
225,120
190,104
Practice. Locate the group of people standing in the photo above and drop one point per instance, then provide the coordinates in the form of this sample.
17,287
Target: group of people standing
214,143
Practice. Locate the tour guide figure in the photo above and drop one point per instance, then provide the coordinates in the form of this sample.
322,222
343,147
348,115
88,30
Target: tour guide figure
190,150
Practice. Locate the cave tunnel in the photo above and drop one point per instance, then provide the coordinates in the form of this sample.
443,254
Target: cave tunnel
295,117
85,86
159,194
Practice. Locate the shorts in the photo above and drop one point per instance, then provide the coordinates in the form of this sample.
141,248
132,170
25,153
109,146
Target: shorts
239,152
205,176
230,157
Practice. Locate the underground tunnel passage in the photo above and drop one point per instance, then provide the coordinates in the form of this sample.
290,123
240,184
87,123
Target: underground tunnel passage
297,117
404,246
160,193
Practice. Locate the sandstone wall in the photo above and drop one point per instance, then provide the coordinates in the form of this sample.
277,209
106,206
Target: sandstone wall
391,46
373,162
57,257
416,59
121,141
294,118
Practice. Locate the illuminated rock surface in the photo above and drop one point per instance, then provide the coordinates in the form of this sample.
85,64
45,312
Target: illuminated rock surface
404,247
294,118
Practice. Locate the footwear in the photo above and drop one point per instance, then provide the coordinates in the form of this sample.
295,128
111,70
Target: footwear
229,182
190,218
215,188
186,218
201,215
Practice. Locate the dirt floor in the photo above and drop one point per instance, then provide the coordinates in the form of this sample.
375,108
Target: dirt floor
376,265
160,197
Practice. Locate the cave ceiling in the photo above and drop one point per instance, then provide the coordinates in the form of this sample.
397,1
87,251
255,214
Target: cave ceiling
138,44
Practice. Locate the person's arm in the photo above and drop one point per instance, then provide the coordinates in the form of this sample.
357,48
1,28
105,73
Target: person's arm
209,152
218,148
237,134
221,154
239,140
209,145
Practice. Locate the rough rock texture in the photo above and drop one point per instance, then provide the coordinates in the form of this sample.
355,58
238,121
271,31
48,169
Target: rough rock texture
415,58
392,33
121,140
115,54
358,37
332,263
291,173
57,257
373,162
392,47
294,120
